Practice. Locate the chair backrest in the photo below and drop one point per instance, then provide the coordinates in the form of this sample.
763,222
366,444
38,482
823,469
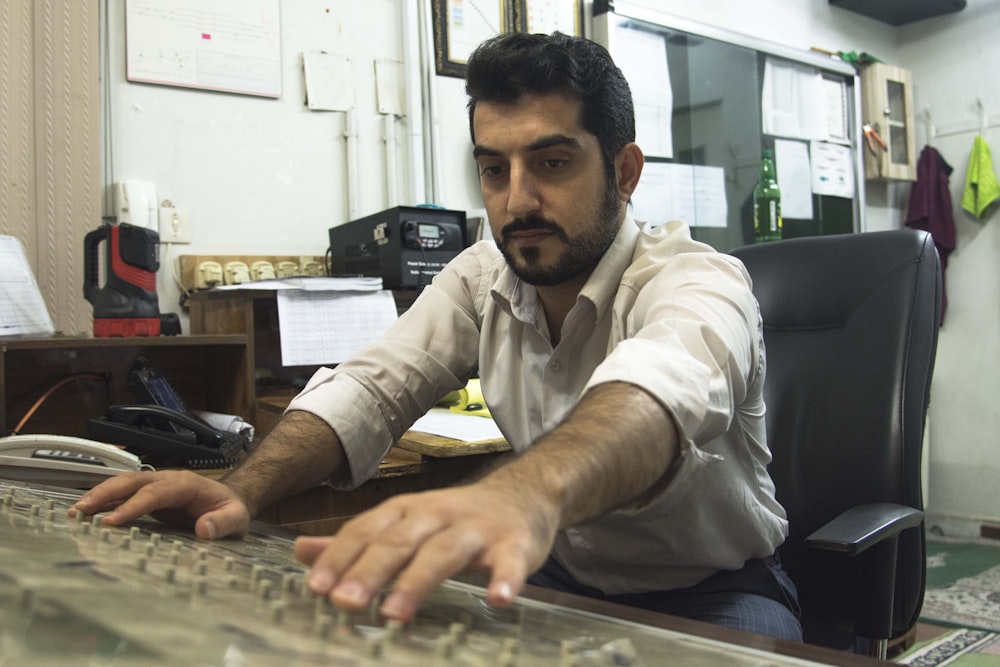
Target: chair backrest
850,327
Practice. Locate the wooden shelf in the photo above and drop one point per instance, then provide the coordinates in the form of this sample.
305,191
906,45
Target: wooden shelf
210,372
900,12
254,313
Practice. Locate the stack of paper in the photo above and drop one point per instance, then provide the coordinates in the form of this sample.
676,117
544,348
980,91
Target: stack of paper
22,309
327,320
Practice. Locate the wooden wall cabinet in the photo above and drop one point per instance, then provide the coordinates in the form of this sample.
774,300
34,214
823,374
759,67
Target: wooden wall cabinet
209,372
887,106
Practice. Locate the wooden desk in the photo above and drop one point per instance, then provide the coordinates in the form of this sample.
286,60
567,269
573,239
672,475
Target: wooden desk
418,462
322,510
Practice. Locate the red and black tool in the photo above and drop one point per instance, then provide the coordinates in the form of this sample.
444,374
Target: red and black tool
127,304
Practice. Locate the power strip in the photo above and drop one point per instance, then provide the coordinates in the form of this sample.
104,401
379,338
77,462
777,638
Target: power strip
199,272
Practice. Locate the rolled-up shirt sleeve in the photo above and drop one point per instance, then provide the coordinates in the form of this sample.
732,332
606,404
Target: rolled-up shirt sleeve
693,342
373,398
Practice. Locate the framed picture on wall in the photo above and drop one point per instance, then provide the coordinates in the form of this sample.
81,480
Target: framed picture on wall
459,27
548,16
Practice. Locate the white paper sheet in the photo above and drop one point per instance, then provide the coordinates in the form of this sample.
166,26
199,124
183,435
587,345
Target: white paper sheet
448,424
793,103
328,81
791,160
692,193
642,58
22,309
835,103
231,45
311,283
832,170
327,327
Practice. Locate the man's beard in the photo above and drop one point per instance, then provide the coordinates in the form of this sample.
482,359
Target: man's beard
582,253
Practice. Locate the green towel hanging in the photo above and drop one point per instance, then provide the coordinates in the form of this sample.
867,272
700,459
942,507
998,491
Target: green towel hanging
981,186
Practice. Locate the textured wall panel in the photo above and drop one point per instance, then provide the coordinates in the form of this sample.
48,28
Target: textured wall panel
17,128
50,143
67,152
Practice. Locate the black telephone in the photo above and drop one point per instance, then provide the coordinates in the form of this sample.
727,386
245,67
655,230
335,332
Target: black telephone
161,430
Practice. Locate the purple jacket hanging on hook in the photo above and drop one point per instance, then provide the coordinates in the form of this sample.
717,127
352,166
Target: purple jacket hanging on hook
930,208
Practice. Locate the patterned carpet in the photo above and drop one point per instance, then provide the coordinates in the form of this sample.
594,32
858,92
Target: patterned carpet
963,585
963,591
959,648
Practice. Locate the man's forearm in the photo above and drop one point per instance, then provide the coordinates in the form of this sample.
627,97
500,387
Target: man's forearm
298,454
614,446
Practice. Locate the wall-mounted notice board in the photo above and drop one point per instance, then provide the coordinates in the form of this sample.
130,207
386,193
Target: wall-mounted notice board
227,45
709,101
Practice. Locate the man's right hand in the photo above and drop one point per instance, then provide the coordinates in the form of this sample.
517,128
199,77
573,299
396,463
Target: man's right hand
177,497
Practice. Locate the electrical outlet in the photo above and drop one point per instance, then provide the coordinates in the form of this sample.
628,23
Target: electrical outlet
237,273
313,269
209,274
287,269
262,270
175,225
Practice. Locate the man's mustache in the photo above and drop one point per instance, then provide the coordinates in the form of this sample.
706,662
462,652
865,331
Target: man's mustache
532,223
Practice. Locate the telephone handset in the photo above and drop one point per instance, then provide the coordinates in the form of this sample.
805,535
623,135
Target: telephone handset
161,430
62,460
194,444
134,415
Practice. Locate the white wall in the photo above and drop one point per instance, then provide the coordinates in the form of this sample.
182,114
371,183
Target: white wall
269,176
260,175
955,61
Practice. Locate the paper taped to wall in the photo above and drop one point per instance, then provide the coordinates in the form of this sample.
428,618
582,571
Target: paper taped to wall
22,309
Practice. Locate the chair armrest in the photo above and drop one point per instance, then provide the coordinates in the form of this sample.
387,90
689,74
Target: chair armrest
862,526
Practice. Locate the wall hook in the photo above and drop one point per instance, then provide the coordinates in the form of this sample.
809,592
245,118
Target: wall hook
982,116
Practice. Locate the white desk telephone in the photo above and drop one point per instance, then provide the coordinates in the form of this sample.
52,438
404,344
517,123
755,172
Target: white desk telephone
60,460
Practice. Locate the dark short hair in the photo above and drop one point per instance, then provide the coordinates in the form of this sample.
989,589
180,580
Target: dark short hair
505,67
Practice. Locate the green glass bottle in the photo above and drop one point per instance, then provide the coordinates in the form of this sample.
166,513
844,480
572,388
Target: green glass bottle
767,202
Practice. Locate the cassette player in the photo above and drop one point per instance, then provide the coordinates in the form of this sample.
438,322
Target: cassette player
405,245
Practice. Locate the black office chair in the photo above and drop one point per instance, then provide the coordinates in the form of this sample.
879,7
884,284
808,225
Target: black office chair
850,325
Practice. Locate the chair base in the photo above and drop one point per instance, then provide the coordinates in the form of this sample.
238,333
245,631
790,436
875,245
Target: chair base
902,643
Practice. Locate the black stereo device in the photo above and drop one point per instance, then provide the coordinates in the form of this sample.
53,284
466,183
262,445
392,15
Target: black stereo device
406,246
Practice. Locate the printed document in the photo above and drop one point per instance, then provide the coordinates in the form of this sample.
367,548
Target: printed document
22,309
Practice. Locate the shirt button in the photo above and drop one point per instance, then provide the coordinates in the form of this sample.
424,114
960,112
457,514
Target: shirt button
555,366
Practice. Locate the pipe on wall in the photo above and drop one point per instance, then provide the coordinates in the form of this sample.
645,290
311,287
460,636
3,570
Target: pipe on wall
414,63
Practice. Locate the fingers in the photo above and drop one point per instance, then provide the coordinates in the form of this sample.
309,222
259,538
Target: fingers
507,580
308,548
372,538
420,543
422,564
442,556
112,493
177,496
231,520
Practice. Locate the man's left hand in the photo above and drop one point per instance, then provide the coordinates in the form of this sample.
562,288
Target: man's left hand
428,537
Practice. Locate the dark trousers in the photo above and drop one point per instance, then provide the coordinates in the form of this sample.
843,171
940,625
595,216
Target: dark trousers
760,597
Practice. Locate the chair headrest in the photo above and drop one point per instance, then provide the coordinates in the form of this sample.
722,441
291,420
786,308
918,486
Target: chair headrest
817,282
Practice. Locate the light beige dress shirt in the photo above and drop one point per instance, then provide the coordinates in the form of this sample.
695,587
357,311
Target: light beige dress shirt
661,311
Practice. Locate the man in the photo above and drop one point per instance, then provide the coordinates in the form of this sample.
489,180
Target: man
624,366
